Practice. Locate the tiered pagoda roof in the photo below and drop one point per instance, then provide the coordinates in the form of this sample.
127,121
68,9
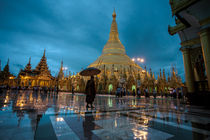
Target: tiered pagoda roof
40,70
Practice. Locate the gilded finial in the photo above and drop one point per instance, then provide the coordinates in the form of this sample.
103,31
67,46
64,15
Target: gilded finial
44,52
8,61
114,14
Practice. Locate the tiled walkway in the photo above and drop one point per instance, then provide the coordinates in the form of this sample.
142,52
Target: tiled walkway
28,115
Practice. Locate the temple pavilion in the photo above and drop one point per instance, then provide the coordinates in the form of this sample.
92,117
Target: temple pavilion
40,76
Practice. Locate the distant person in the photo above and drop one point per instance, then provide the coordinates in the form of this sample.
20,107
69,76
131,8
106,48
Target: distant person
124,91
180,93
174,93
154,93
134,93
118,91
138,92
90,92
72,90
146,93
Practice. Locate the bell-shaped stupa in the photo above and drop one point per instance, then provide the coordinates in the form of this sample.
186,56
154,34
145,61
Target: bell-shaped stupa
114,53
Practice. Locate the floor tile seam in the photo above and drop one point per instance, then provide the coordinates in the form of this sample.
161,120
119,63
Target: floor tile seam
201,131
178,125
68,130
152,116
121,129
185,113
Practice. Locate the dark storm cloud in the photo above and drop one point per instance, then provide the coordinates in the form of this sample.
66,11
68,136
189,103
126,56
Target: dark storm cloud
76,31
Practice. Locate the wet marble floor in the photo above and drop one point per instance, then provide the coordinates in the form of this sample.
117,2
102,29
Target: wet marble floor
28,115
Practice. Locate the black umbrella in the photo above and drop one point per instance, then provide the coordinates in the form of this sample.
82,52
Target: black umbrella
90,71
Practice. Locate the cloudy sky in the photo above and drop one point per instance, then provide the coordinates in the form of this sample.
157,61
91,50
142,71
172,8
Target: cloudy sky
75,31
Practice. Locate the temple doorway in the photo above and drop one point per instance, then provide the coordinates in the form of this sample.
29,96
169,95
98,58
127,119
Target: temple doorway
110,88
133,87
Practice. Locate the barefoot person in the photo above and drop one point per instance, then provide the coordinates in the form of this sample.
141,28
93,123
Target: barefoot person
90,92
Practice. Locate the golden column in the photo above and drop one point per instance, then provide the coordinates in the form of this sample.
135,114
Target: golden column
205,43
189,74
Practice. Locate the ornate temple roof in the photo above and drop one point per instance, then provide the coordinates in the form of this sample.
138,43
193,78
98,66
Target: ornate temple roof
28,66
61,74
41,70
113,51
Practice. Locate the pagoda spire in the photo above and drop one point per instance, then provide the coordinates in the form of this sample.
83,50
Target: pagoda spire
164,77
61,74
42,66
28,66
44,53
150,72
113,35
153,76
8,61
160,74
6,72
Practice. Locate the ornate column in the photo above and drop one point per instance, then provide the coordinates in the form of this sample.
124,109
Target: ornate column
205,43
189,75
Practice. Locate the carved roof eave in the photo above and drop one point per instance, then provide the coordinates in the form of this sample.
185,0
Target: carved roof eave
179,5
174,29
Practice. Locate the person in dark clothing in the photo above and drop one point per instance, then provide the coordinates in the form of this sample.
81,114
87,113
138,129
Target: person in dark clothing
72,90
90,92
134,93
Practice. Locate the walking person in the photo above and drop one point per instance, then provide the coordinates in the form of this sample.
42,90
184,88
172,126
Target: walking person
138,93
90,92
72,90
134,93
154,93
118,91
124,91
90,89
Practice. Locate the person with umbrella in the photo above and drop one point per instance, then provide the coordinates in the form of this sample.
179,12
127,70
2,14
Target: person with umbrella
90,92
90,89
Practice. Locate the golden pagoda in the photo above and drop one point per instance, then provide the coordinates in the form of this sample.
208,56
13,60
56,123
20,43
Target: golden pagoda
116,66
40,76
114,52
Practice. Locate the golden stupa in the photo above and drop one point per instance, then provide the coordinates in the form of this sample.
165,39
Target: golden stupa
117,69
114,52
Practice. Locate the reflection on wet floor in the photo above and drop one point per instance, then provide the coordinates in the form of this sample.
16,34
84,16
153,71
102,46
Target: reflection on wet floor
34,115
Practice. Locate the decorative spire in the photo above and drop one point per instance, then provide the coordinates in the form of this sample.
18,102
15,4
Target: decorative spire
28,66
114,14
114,36
153,76
42,67
164,77
8,61
44,52
62,64
6,72
160,74
150,72
169,77
61,74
